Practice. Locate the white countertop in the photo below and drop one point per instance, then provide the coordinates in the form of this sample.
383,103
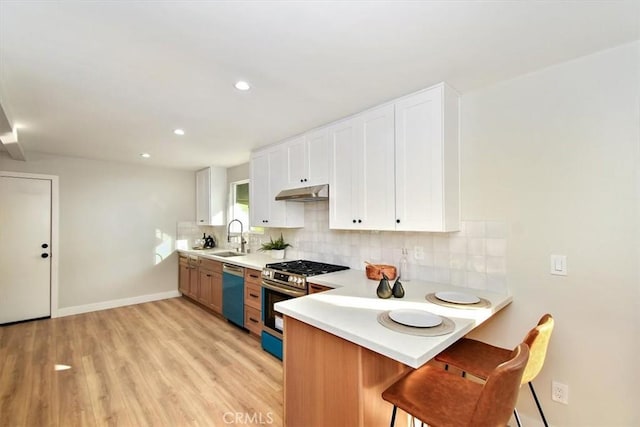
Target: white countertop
350,311
256,261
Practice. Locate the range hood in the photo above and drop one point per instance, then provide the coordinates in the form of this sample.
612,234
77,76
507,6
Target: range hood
313,193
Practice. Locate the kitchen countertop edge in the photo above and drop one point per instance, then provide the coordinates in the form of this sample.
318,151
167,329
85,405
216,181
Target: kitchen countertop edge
255,261
330,311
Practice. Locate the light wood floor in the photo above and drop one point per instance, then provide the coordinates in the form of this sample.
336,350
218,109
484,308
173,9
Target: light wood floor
165,363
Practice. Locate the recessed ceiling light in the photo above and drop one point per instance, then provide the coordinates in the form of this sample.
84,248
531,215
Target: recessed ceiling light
178,131
145,155
242,85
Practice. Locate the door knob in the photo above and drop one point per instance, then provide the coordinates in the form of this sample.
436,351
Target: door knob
45,255
45,246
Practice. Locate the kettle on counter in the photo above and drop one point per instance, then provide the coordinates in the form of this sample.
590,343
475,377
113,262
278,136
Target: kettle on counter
209,242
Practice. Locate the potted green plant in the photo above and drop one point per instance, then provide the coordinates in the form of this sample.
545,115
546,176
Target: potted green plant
277,247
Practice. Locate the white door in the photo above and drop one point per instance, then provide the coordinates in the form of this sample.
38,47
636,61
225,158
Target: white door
25,243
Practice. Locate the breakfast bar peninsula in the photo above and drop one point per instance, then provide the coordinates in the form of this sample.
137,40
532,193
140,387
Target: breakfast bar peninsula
339,357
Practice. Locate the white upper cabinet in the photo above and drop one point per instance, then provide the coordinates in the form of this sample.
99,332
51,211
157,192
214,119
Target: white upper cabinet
377,170
268,177
361,182
426,161
259,189
396,167
345,204
318,156
211,196
308,159
297,162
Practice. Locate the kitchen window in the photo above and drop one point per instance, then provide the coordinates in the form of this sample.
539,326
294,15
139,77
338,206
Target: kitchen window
239,203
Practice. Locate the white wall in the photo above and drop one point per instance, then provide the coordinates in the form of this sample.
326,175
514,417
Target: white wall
555,157
555,154
238,173
117,226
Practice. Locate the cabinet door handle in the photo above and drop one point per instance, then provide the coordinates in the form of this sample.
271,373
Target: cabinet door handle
254,276
45,255
397,221
301,180
359,221
253,320
208,275
354,221
253,295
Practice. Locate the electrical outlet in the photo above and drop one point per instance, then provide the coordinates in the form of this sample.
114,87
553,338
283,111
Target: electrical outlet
418,252
559,392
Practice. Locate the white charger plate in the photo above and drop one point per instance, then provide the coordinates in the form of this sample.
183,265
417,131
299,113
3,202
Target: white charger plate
415,318
457,297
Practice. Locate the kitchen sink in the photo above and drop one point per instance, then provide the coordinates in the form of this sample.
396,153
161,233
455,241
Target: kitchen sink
227,254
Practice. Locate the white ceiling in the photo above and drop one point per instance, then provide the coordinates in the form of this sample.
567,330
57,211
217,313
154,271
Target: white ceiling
109,80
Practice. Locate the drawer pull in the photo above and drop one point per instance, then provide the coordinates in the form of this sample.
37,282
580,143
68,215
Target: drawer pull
253,295
253,320
255,276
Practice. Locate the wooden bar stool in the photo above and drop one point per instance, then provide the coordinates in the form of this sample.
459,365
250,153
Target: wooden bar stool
440,398
479,359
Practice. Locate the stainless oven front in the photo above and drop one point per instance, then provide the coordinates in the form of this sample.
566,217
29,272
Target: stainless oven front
272,293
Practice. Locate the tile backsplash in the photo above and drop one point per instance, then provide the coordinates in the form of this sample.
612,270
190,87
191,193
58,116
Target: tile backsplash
474,257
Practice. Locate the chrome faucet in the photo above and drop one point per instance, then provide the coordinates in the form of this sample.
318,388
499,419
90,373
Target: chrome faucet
242,241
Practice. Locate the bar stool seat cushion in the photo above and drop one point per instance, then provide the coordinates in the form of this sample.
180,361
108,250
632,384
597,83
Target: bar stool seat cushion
425,385
469,352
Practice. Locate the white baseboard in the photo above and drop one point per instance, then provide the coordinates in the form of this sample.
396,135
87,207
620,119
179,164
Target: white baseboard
78,309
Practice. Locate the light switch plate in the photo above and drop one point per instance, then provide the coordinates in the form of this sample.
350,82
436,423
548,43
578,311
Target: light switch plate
559,265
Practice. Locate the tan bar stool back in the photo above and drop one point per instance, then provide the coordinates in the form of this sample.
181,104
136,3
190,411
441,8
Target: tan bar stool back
479,359
440,398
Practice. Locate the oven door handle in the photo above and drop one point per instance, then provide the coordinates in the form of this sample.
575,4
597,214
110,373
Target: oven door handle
289,292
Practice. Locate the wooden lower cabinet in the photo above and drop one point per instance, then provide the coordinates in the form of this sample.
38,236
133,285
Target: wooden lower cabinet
184,272
210,291
194,290
252,320
314,288
200,279
188,275
329,381
253,301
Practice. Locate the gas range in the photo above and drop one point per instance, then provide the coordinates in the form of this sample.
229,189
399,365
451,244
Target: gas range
294,273
282,281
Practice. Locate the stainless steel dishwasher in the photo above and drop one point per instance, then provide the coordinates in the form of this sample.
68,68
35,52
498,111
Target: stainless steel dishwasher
233,293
